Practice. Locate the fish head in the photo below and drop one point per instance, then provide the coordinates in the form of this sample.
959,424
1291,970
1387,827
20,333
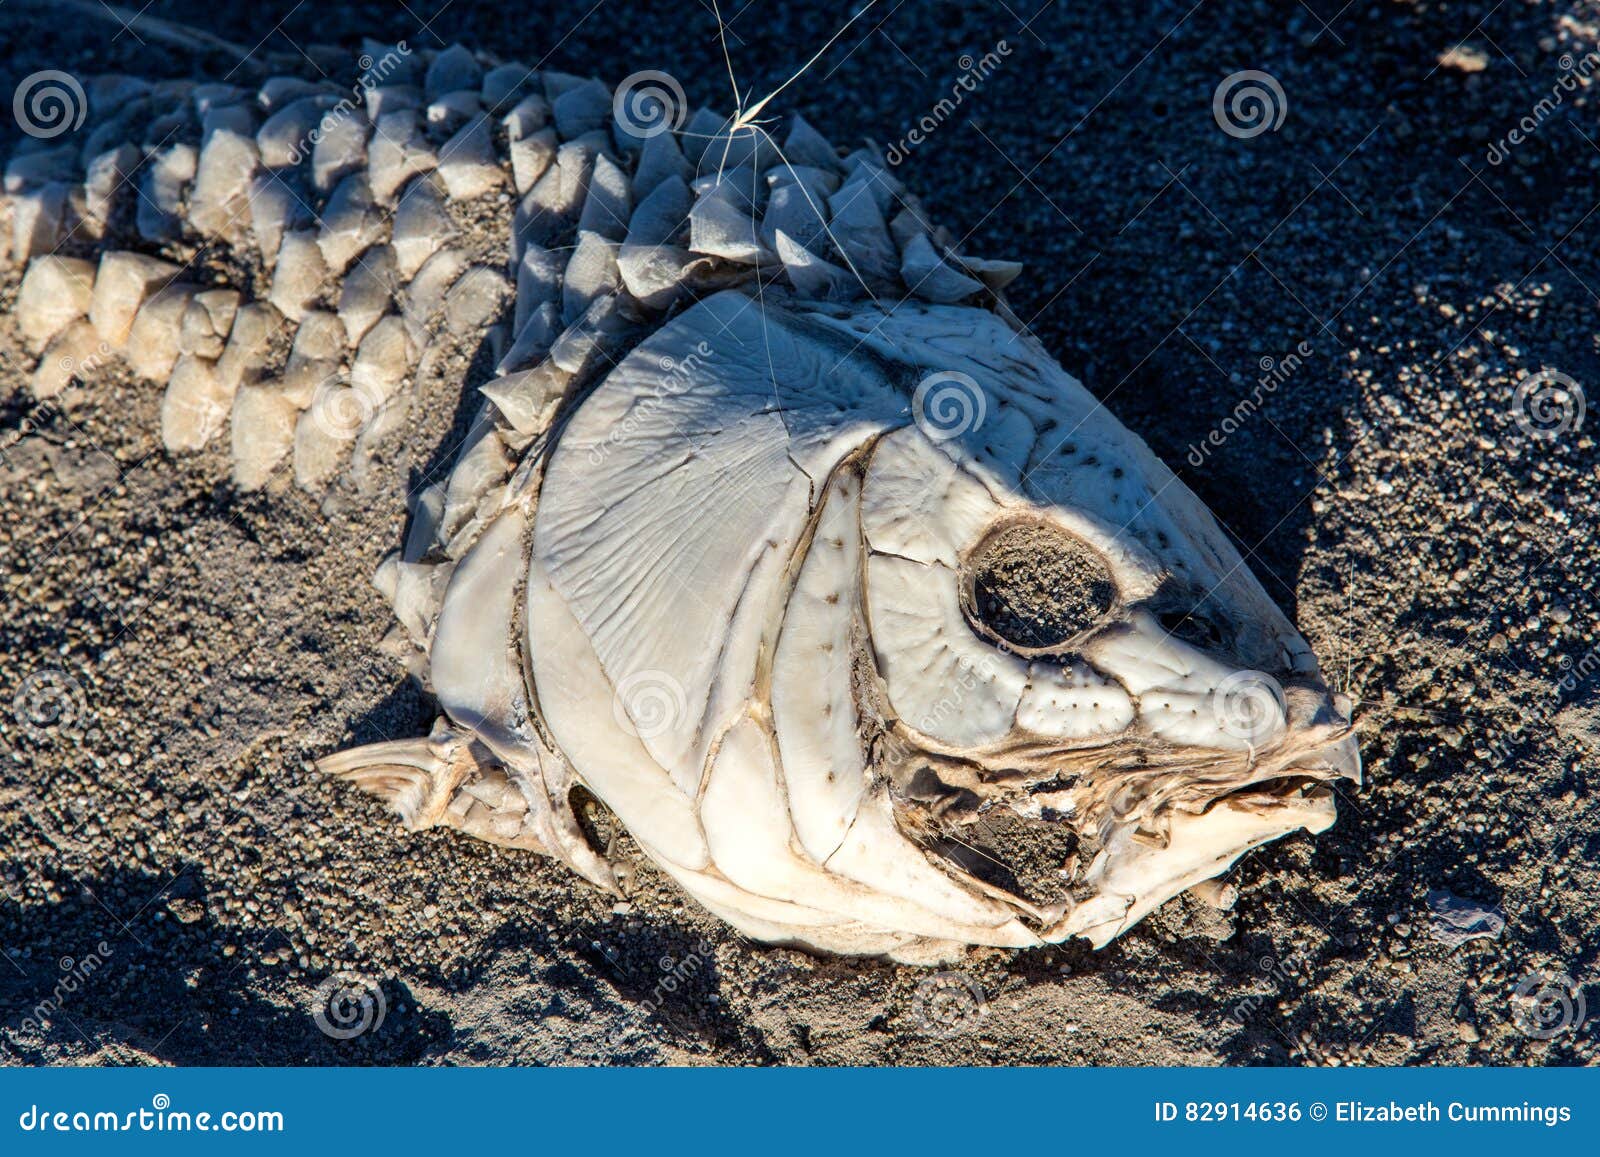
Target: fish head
893,570
1062,627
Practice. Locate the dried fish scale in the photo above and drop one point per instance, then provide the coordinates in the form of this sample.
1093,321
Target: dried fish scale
713,549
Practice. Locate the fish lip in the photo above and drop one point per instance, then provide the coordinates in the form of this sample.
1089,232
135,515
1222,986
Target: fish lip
1338,758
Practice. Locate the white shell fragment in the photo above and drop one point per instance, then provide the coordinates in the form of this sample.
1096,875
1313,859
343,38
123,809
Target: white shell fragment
467,162
421,227
70,356
207,322
156,339
40,219
195,407
299,275
56,291
120,288
397,152
368,291
167,176
768,529
262,429
219,203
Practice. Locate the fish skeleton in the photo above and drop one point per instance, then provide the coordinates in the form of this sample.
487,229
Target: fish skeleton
771,529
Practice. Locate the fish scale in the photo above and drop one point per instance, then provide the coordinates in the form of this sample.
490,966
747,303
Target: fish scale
660,564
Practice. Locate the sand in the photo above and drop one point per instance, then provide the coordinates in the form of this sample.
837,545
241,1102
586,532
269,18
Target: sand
1321,327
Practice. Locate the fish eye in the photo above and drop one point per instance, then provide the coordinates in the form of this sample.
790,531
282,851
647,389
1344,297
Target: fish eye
1032,586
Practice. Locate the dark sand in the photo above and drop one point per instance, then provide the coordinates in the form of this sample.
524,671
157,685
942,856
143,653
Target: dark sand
1366,262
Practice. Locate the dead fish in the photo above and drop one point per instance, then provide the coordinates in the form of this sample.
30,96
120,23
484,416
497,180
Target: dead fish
774,531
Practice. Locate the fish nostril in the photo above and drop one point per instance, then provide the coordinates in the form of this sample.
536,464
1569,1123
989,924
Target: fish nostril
1195,627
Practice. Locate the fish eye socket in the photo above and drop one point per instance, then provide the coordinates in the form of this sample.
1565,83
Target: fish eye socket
1032,586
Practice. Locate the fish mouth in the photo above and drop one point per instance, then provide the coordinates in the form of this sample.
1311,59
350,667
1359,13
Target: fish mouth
1126,778
1132,838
